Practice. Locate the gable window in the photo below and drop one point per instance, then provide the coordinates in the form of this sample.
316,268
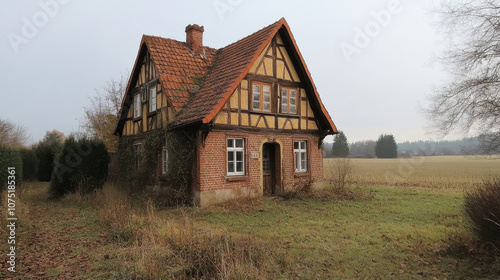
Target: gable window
300,154
152,99
235,156
288,100
137,106
164,159
261,96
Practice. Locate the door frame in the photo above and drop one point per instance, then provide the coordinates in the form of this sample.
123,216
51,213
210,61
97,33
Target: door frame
274,165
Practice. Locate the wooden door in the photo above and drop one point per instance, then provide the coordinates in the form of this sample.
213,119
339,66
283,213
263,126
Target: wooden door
268,169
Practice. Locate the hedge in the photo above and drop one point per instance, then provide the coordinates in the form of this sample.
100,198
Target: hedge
10,158
82,167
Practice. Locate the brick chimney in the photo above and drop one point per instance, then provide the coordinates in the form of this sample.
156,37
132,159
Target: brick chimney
194,37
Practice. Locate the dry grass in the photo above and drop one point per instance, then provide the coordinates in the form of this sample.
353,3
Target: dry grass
483,211
439,172
240,204
329,233
178,248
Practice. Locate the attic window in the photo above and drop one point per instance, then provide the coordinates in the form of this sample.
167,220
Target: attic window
288,100
137,106
261,96
152,99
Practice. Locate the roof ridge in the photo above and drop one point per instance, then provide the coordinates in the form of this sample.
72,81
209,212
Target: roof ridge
228,65
260,30
174,40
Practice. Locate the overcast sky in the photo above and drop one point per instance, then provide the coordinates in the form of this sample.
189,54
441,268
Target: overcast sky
371,60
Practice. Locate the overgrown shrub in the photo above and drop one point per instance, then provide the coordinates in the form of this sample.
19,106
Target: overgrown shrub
46,151
30,163
82,167
340,170
174,186
10,158
302,188
482,207
135,178
46,154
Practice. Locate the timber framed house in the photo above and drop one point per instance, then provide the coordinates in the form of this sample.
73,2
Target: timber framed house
257,117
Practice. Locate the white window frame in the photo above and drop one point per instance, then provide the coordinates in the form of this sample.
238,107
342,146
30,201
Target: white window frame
152,99
164,159
260,96
286,100
232,152
137,106
300,156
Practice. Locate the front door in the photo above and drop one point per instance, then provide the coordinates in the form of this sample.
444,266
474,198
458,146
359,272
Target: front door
268,168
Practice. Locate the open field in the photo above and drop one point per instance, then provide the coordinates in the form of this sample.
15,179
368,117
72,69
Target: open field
436,172
411,228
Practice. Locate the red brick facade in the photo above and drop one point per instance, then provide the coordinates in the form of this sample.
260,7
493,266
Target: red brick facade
212,184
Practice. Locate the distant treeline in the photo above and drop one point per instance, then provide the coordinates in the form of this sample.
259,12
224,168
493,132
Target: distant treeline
466,146
366,148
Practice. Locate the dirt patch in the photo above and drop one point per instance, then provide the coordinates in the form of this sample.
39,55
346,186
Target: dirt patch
55,242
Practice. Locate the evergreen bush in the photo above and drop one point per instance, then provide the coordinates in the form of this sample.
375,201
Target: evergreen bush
82,167
10,158
30,163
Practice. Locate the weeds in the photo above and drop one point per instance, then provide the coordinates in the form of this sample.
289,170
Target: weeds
239,204
340,169
178,248
483,211
333,192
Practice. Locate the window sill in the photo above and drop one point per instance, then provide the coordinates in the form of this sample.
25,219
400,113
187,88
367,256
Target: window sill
262,112
163,177
137,119
301,174
289,115
151,113
237,178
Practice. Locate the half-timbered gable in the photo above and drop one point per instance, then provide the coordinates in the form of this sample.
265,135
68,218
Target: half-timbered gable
171,68
258,119
271,96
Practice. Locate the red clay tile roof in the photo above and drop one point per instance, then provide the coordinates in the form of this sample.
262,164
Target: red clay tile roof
221,71
231,64
177,67
230,67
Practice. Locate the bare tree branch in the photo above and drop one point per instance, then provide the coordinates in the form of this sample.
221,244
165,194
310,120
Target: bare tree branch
11,135
101,117
471,102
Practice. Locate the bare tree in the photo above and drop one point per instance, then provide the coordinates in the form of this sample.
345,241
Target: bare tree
12,135
102,116
471,101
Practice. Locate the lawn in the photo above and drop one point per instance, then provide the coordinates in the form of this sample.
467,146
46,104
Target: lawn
411,227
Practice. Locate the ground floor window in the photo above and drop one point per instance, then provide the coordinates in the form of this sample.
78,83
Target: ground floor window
235,156
164,159
300,154
137,155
